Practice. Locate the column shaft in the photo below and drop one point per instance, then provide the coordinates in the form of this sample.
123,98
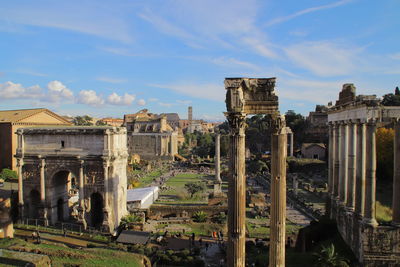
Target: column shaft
81,187
236,193
360,169
217,159
351,166
336,131
370,185
278,199
343,163
42,182
331,160
20,163
291,144
396,175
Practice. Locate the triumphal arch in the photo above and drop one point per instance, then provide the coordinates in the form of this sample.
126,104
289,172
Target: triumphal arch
246,96
58,165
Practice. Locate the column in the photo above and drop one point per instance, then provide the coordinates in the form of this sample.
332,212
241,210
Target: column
278,195
351,175
106,209
20,163
360,169
217,158
343,163
331,160
43,189
396,175
82,209
291,144
370,175
236,191
336,132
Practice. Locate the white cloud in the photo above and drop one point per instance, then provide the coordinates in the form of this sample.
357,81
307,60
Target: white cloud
57,91
395,56
141,102
324,58
115,99
153,99
319,92
110,79
88,17
184,102
306,11
167,105
205,91
10,90
90,97
232,62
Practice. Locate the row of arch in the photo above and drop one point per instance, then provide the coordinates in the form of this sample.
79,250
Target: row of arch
61,182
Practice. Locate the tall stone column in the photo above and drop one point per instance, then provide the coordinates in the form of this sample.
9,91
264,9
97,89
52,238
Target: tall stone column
82,209
106,209
370,181
43,189
236,191
278,194
291,144
217,163
396,175
218,158
20,164
360,169
343,168
351,179
336,132
331,161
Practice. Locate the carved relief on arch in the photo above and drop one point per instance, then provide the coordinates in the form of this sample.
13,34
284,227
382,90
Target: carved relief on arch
94,174
31,173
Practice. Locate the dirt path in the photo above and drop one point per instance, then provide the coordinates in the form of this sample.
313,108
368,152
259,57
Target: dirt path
68,240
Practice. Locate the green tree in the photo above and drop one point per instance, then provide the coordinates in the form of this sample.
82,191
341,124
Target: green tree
328,257
200,216
101,123
298,124
257,166
83,120
8,175
194,187
397,91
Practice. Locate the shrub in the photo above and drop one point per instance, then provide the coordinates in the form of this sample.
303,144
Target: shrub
200,216
8,175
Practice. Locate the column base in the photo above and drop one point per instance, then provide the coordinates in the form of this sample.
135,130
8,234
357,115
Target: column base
370,222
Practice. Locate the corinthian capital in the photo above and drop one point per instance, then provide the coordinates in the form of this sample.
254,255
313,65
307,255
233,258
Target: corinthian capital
277,124
237,122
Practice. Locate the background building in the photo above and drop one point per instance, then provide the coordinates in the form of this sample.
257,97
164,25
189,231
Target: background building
11,120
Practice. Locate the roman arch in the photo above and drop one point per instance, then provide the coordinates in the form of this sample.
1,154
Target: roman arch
254,96
57,165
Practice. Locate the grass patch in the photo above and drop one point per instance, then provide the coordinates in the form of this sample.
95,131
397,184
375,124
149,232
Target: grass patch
62,255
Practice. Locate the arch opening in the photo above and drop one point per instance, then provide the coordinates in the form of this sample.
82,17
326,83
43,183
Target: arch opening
96,210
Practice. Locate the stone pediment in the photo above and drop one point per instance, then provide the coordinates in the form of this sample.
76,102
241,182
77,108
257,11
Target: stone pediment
251,95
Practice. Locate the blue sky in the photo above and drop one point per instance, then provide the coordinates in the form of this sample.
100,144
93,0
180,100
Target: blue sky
109,58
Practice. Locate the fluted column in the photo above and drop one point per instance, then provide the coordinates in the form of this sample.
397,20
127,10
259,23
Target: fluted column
331,160
343,163
82,209
217,158
396,175
43,189
370,182
360,169
20,164
351,179
236,191
336,132
278,195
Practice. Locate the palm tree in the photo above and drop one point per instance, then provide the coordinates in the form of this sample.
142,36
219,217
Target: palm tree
328,257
